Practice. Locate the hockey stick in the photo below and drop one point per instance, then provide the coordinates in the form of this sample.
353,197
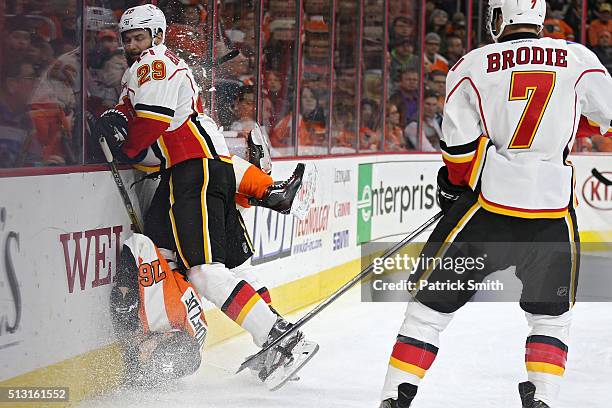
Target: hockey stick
601,177
120,186
390,252
222,60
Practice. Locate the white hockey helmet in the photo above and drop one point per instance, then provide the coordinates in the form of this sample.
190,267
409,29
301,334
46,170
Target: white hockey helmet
515,12
147,16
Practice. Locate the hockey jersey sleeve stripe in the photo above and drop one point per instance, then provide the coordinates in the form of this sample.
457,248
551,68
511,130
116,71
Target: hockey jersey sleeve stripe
459,150
160,110
467,158
478,163
520,212
153,116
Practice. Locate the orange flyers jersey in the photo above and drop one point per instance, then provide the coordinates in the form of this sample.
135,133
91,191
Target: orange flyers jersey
160,89
167,301
510,119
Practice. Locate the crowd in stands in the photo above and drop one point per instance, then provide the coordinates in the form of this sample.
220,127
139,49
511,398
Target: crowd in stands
342,102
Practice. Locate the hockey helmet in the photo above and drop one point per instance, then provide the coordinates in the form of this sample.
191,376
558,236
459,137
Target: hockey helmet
147,17
515,12
176,355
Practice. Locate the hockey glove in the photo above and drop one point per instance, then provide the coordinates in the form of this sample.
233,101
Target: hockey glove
448,192
124,311
113,126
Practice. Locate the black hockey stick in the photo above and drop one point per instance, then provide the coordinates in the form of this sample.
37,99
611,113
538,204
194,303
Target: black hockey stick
120,186
390,252
222,60
601,177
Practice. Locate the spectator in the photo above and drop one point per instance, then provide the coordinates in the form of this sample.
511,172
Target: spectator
406,98
603,23
369,137
185,33
105,83
402,58
431,59
245,111
437,84
108,41
42,53
603,49
431,128
394,140
555,27
402,28
454,49
311,123
458,22
343,136
438,23
17,39
18,82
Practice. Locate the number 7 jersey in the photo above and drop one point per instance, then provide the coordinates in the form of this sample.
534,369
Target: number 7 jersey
510,119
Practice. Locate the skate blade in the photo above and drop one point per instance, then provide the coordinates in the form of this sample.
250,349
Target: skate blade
305,194
281,377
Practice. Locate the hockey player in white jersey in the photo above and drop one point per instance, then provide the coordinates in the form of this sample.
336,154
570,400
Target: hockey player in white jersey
196,217
506,190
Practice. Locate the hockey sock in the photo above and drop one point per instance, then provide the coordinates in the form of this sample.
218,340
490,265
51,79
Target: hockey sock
415,348
546,354
236,298
245,272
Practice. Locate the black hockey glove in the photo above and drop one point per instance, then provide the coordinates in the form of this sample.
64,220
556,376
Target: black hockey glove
113,126
124,311
448,192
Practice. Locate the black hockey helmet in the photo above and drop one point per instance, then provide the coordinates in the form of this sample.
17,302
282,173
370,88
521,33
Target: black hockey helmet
176,355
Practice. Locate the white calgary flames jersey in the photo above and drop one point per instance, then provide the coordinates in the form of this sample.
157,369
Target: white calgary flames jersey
511,114
167,301
160,89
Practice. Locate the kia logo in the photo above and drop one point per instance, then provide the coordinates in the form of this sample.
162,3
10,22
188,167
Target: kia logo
597,194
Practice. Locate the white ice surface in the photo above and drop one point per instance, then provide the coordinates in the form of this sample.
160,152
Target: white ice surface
479,364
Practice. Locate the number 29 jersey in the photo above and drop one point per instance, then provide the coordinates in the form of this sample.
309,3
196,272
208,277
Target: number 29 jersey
160,91
510,119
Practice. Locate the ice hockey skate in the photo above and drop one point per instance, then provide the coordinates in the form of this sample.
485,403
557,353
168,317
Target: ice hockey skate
406,393
281,363
280,195
527,393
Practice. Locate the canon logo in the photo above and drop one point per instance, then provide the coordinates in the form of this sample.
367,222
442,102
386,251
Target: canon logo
597,194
